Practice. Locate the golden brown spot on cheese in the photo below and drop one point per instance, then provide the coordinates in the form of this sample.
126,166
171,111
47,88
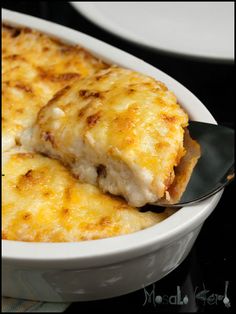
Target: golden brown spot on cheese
25,155
27,216
89,93
83,110
67,49
16,32
48,193
8,27
47,136
123,123
67,193
17,141
161,145
25,88
100,77
93,119
66,76
65,211
58,95
101,171
27,30
20,110
162,86
168,118
131,91
57,77
105,221
45,49
83,92
14,57
28,173
26,181
76,176
4,235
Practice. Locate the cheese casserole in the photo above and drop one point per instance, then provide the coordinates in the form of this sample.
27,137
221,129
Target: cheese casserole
109,127
117,129
41,201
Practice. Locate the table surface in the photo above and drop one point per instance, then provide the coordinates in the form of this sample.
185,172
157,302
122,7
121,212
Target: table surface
203,274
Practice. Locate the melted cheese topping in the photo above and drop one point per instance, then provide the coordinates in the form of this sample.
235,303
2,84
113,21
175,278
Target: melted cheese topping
123,121
115,128
34,68
42,202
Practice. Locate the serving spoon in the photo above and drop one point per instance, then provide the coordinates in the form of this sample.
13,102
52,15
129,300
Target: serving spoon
215,167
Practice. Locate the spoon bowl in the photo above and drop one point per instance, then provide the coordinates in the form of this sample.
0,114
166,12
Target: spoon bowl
215,168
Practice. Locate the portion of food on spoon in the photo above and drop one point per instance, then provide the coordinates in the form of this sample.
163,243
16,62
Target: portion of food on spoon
121,131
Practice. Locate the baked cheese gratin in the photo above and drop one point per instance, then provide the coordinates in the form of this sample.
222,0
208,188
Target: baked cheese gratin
34,68
119,130
43,202
111,129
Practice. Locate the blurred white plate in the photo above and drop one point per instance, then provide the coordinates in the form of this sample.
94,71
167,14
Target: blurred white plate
195,29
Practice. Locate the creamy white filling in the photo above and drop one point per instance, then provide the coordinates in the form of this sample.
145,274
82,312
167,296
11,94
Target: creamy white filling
8,141
57,112
117,177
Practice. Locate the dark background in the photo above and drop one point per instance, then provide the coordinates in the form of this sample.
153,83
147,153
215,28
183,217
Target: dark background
210,262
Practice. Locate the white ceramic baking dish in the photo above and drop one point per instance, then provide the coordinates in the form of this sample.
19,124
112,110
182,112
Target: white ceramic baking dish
110,267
